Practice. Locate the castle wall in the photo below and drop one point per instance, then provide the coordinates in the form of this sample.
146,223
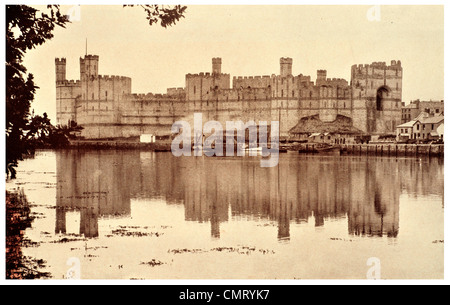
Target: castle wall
198,86
106,108
67,93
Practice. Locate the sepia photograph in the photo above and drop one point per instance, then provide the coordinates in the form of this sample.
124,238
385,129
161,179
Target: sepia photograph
224,142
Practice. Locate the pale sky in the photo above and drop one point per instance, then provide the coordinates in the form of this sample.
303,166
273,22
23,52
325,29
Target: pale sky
250,40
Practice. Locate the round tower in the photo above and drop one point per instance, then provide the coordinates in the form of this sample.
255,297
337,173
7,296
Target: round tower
217,65
285,66
60,66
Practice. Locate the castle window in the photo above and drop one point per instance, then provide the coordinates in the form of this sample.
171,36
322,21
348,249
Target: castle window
292,93
371,84
92,95
106,94
344,104
310,93
282,93
437,110
432,126
195,89
397,86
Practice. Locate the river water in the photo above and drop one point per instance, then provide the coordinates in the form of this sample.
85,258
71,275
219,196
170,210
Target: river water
130,214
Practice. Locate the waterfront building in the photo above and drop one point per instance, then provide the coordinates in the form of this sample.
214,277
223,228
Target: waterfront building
414,108
423,128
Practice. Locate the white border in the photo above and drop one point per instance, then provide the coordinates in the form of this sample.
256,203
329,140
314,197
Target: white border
234,282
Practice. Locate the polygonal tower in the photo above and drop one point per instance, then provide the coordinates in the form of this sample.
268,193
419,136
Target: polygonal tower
377,96
285,66
88,66
217,65
67,92
60,67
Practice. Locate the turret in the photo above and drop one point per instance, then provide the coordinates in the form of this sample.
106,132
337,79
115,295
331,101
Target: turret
285,66
217,65
89,66
321,76
60,66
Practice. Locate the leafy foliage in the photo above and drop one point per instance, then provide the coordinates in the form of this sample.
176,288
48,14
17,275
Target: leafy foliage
26,28
168,15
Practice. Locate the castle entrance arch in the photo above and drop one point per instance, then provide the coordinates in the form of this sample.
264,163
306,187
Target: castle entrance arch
383,93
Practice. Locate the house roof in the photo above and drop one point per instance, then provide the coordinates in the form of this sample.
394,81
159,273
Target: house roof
411,105
315,134
432,120
407,124
313,124
434,133
421,116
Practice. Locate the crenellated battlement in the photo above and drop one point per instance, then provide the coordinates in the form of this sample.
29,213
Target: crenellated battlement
90,56
151,97
205,75
176,91
67,83
60,60
377,68
337,80
285,60
112,77
251,77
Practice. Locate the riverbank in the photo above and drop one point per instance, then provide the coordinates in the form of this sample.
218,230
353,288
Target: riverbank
18,219
109,144
381,149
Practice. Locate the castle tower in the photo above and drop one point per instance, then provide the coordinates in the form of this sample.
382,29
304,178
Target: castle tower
285,66
67,92
217,65
88,66
60,66
321,76
377,96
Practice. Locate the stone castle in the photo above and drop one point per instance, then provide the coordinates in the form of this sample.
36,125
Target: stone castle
106,107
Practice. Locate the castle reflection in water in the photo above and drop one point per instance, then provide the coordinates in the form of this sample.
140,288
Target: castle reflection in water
364,190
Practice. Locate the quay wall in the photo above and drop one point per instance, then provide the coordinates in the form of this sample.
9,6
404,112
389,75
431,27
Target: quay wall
385,149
